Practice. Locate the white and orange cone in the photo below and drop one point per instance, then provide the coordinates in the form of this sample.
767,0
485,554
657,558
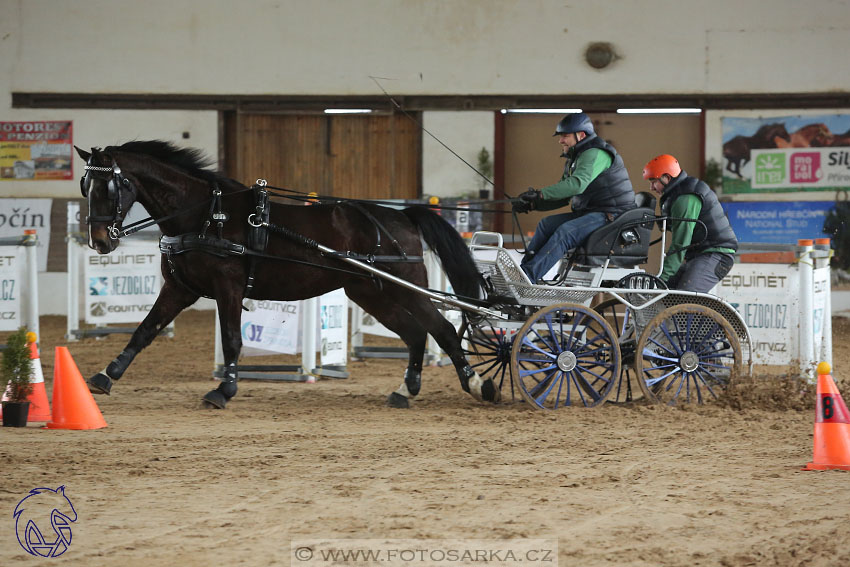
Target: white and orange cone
832,426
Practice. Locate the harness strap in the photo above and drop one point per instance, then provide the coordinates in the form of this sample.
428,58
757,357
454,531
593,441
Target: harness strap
222,247
249,284
362,210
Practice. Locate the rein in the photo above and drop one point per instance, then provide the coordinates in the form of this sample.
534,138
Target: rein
303,197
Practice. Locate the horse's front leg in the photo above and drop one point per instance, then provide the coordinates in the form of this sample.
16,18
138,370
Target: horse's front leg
172,299
229,317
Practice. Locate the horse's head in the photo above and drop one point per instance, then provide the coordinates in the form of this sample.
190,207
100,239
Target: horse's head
769,133
109,193
821,136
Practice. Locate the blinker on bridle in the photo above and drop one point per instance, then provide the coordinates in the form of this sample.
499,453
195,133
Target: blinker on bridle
113,192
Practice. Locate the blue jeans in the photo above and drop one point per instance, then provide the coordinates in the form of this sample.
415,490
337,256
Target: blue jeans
554,237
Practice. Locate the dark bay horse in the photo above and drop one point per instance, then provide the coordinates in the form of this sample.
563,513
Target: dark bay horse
737,150
177,188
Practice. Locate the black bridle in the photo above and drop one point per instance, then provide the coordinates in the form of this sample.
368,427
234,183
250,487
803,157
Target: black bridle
116,185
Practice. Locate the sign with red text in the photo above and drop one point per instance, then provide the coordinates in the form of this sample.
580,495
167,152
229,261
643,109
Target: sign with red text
36,151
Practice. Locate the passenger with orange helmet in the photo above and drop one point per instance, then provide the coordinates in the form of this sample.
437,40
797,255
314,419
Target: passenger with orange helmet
595,183
698,257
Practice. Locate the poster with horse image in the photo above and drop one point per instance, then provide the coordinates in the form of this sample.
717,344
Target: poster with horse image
784,154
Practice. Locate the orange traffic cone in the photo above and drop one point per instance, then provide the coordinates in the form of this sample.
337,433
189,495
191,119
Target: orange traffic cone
39,407
832,426
73,405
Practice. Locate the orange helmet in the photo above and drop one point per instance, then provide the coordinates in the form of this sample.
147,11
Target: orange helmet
659,165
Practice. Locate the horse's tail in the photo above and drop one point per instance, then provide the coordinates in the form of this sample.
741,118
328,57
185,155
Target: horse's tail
454,254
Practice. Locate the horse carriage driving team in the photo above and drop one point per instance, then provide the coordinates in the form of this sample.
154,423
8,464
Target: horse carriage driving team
229,242
596,183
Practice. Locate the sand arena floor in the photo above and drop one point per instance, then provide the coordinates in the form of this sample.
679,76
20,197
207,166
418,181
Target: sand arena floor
168,483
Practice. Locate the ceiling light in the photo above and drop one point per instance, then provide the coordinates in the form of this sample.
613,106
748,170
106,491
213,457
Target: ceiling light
348,110
659,110
541,110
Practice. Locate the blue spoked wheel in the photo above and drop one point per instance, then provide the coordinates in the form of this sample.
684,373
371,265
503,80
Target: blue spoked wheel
565,355
687,354
488,350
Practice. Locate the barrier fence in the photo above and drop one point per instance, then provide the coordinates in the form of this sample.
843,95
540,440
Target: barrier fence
19,283
318,325
783,294
120,287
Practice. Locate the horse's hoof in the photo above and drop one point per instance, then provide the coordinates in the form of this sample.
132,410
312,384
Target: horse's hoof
396,400
100,383
490,393
214,400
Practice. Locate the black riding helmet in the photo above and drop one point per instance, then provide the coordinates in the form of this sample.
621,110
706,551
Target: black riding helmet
575,123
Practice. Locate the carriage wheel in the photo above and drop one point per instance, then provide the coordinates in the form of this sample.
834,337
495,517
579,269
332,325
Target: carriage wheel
687,353
621,320
488,351
565,354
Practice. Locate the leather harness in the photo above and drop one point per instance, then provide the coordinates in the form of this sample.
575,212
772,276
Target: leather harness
258,237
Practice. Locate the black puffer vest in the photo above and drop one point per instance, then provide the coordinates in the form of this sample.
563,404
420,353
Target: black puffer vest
720,233
611,191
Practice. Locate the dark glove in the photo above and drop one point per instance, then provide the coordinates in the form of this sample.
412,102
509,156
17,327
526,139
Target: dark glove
520,206
527,201
532,195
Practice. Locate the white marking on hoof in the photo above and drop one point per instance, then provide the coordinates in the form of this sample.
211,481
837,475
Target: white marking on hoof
403,391
106,373
474,384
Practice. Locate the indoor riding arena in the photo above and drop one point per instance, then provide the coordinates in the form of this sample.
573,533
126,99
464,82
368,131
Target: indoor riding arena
234,169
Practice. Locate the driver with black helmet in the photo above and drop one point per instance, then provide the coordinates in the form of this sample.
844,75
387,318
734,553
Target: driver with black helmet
595,183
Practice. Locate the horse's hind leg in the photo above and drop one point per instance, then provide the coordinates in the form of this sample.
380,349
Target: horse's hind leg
444,333
172,299
405,326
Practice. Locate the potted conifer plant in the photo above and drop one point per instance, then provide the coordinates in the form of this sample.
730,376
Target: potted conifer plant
15,372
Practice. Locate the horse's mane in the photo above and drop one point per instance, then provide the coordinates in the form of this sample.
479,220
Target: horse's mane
192,160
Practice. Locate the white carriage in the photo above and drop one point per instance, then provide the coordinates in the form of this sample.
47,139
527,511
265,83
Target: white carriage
602,326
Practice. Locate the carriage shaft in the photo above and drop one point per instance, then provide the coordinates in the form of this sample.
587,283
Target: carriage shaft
411,286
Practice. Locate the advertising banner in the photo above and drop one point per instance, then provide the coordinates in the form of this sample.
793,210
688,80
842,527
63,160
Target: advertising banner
36,151
777,222
18,215
275,327
786,153
12,274
123,285
270,327
767,297
801,168
333,320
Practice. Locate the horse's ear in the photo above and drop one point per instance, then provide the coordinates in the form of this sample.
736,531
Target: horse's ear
83,154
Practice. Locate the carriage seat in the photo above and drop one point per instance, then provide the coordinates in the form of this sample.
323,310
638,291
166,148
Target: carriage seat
625,240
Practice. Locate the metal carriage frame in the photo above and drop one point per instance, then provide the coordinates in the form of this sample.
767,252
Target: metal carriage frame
600,333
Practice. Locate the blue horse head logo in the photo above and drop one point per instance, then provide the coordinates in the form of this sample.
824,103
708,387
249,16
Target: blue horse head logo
39,504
